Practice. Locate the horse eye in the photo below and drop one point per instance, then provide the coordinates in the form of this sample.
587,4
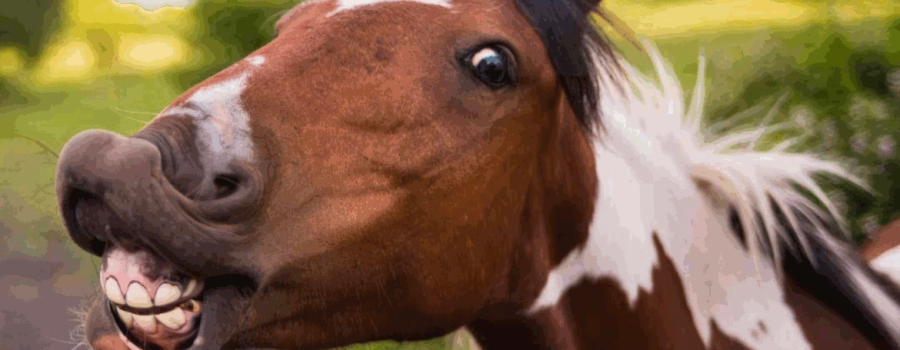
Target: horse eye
493,65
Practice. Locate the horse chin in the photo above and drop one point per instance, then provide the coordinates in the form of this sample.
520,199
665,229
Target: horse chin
181,312
133,338
222,307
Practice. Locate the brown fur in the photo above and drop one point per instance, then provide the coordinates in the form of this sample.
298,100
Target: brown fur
887,238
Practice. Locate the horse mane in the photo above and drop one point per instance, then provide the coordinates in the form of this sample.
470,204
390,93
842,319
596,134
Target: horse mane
761,190
578,51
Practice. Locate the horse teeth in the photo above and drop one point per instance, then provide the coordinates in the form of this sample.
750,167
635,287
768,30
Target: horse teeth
137,296
166,294
173,319
145,322
113,293
125,316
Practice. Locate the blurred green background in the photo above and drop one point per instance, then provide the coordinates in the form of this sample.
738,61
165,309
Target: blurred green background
70,65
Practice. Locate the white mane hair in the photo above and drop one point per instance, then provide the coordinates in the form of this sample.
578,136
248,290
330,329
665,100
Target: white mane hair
754,181
661,174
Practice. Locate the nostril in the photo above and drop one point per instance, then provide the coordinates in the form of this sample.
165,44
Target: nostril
87,220
225,185
234,195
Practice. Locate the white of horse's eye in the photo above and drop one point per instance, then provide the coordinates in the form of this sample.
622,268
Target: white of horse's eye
492,66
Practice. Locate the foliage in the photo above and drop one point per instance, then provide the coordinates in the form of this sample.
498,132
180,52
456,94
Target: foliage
29,25
843,92
231,30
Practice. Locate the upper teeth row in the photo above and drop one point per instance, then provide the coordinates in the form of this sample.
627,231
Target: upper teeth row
138,297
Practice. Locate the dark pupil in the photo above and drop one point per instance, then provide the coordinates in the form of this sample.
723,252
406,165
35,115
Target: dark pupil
493,68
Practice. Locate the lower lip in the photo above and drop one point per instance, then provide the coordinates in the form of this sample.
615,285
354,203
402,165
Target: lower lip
188,331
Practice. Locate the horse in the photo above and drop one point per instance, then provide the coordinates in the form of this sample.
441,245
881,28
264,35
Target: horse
398,169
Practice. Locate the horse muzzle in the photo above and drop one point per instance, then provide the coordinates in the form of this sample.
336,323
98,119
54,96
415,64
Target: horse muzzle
172,261
112,191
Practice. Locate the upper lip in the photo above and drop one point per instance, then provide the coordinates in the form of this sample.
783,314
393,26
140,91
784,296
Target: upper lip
139,207
112,191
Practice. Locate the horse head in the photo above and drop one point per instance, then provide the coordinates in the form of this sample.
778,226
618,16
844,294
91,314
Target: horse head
381,169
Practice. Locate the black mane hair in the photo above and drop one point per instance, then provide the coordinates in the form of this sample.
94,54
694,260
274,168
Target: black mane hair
577,50
824,275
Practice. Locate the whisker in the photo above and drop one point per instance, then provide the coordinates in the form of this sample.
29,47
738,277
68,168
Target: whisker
78,334
134,112
275,16
193,192
142,122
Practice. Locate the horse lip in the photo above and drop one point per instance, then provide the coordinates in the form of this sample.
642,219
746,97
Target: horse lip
223,308
182,217
125,335
223,311
223,305
141,207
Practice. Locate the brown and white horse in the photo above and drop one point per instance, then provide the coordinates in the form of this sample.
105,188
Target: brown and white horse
391,169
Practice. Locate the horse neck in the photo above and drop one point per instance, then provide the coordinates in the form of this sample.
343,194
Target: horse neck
599,313
555,221
614,308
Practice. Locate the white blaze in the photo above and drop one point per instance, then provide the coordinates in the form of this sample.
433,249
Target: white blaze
344,5
222,123
256,61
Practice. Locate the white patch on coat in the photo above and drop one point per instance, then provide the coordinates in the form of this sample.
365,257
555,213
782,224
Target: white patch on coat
650,161
345,5
223,125
888,263
256,61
